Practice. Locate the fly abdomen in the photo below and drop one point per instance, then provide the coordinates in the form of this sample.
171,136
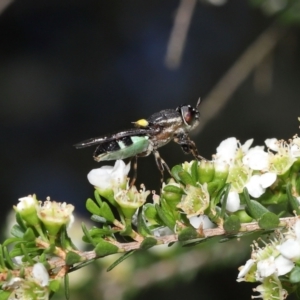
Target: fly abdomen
122,148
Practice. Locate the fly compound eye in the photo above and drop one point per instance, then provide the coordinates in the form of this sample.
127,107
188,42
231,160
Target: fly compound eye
189,114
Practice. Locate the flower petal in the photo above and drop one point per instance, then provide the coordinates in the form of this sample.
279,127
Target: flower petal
267,179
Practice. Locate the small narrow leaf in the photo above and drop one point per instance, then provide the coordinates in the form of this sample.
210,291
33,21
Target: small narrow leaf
21,222
72,258
186,178
4,295
292,200
173,189
118,261
92,207
8,259
97,197
17,231
67,286
54,285
232,224
187,233
254,208
98,219
148,243
87,234
141,224
29,235
166,218
104,248
268,221
175,170
194,171
106,212
295,275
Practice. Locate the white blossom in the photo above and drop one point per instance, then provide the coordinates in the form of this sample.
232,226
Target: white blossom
107,177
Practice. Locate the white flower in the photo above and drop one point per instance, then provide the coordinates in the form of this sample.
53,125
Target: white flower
107,177
290,248
256,158
40,274
55,214
258,183
272,144
246,268
283,265
203,221
26,203
267,179
233,201
227,150
265,268
245,147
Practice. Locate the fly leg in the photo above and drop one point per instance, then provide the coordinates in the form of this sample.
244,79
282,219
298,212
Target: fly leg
134,167
188,146
161,164
193,149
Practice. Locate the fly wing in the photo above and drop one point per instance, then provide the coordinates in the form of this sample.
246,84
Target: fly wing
115,136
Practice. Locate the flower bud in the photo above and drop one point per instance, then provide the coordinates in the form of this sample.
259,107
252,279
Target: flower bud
131,199
27,208
206,171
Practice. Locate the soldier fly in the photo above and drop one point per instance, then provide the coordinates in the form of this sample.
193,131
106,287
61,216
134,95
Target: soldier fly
147,136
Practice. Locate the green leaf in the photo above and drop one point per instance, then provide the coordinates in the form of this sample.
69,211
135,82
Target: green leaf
87,234
118,261
8,259
194,171
192,243
173,189
104,248
67,286
106,212
268,221
292,200
295,275
166,217
2,263
12,240
186,178
232,224
92,207
98,219
151,213
4,295
254,208
29,235
148,242
26,257
141,224
54,285
102,231
21,223
72,258
225,190
175,170
17,231
97,197
187,233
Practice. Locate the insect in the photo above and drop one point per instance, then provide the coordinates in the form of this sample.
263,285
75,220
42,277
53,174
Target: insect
147,136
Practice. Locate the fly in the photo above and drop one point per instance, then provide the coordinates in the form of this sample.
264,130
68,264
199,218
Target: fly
149,135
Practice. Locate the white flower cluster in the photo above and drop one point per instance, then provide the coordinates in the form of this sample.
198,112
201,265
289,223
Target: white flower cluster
275,259
34,286
255,168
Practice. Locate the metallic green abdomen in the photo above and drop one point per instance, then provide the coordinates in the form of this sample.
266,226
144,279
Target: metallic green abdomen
125,147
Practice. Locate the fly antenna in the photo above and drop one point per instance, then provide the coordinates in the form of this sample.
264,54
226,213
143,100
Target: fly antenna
198,102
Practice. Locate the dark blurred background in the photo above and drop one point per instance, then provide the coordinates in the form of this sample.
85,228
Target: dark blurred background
71,70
